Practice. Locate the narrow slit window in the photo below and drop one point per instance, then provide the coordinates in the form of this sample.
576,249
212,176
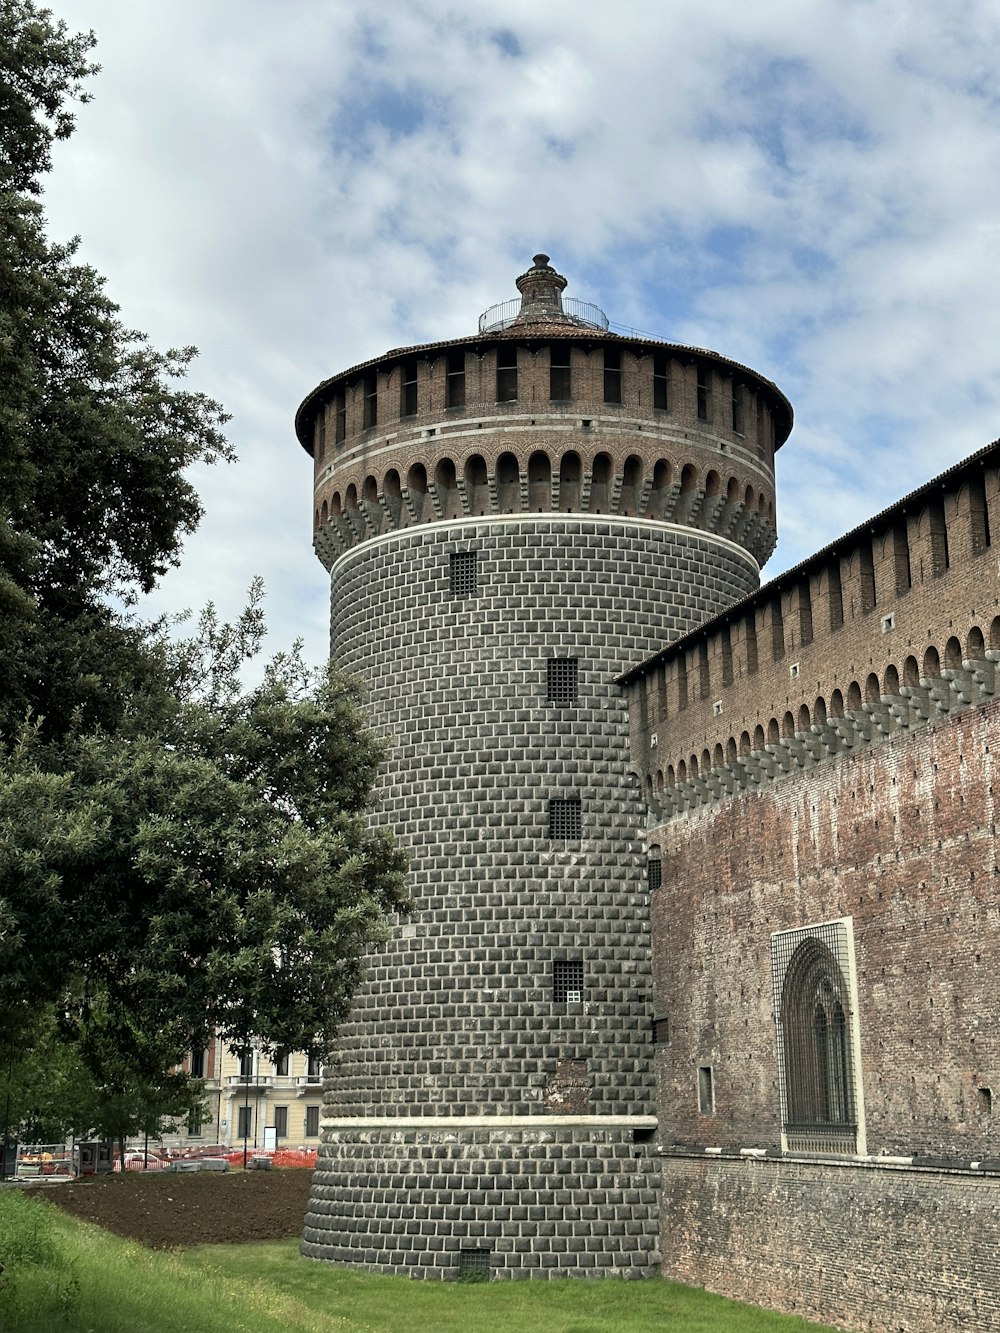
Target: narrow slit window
737,410
507,375
321,435
704,395
455,380
567,981
371,402
462,573
706,1091
660,382
565,818
408,389
612,375
340,420
559,373
562,680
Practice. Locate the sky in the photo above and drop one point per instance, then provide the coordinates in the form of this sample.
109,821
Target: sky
810,187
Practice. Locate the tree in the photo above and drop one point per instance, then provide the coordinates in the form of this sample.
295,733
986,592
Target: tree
176,853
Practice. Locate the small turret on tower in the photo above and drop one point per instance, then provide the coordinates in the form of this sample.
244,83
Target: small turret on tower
541,291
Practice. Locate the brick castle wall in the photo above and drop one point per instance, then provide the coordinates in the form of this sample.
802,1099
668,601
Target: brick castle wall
902,838
867,1247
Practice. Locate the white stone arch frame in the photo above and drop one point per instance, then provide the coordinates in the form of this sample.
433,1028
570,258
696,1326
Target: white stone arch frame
814,978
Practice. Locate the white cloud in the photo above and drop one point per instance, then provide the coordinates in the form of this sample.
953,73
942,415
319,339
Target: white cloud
811,188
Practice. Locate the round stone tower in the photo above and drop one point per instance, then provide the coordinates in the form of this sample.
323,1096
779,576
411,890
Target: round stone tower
510,520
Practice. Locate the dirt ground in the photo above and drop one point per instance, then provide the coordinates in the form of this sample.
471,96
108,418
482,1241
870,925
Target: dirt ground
163,1210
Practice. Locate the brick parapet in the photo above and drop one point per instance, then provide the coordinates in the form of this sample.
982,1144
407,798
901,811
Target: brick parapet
535,453
895,625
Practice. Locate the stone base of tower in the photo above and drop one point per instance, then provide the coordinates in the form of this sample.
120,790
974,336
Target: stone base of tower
571,1199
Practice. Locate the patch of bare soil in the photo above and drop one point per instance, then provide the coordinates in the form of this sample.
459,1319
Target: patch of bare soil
162,1209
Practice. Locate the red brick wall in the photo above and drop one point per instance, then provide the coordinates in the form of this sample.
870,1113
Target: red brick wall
901,837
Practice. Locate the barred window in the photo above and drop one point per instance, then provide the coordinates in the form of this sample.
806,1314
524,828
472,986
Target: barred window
654,872
473,1265
565,818
567,981
661,1031
462,573
811,971
562,680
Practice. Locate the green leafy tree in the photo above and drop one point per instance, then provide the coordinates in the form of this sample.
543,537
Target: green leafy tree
177,854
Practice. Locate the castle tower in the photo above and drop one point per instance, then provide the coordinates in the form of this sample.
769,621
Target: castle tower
510,520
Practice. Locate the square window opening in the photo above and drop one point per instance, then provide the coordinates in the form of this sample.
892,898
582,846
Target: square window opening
565,818
562,680
567,981
462,573
474,1265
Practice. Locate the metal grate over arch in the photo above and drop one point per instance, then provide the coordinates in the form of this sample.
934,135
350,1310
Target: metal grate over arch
815,1008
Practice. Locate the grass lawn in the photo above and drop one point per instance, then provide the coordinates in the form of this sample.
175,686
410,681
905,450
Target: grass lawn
61,1274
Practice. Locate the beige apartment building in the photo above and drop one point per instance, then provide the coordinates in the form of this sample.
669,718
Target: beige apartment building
268,1103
